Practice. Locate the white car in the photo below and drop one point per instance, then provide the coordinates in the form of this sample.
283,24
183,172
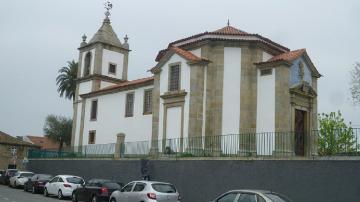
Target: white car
62,185
146,191
251,196
20,178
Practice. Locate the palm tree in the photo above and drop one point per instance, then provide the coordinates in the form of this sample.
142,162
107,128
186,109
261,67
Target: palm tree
66,80
58,129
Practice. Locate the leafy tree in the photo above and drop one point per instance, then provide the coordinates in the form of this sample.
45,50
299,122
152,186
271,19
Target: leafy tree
58,129
335,136
355,83
66,80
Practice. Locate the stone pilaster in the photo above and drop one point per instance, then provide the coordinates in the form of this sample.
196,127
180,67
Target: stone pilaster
214,93
119,146
155,111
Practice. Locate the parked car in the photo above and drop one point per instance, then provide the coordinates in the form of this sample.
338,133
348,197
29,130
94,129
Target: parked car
19,179
62,185
95,190
251,196
4,179
37,182
2,172
146,191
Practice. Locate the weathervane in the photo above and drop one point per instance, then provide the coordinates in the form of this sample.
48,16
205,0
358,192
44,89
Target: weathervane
108,7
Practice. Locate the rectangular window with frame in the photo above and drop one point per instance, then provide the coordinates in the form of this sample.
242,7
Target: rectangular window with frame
112,68
129,108
92,135
174,78
147,101
93,112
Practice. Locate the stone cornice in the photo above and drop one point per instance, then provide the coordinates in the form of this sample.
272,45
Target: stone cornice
100,77
262,65
304,90
117,89
174,96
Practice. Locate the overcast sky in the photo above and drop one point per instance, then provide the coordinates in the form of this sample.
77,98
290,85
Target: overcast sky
37,38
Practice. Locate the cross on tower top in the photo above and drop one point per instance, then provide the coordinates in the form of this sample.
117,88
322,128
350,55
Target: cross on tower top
108,7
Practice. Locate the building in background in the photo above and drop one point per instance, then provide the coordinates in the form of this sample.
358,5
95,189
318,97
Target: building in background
13,151
216,83
42,141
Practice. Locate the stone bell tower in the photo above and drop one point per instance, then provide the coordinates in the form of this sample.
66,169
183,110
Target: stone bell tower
103,61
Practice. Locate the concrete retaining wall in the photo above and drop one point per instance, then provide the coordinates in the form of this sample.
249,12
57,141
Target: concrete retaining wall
203,180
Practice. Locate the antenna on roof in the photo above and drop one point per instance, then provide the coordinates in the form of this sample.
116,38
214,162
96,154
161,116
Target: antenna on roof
228,22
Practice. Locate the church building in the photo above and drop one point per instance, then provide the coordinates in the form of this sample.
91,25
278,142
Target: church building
215,83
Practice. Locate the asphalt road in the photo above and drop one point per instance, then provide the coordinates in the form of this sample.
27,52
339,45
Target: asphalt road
8,194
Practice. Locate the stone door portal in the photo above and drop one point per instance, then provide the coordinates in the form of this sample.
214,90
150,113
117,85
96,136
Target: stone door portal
299,132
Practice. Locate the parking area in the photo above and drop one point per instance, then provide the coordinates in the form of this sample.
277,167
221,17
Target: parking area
8,194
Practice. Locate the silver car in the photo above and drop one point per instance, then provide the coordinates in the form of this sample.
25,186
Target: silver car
251,196
146,191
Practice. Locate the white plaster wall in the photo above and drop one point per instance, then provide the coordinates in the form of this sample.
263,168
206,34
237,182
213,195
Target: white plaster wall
266,56
231,91
112,57
92,61
104,84
196,52
85,87
185,85
265,116
111,118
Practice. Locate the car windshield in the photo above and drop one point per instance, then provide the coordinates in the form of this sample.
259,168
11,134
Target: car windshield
44,177
277,198
26,174
74,180
164,188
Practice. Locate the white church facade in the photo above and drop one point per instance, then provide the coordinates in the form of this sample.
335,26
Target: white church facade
211,84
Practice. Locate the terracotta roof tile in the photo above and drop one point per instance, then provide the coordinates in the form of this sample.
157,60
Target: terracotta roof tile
122,85
10,140
186,54
229,30
288,56
43,142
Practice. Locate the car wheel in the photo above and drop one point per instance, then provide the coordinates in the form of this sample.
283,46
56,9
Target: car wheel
60,195
46,192
113,200
94,199
33,190
73,197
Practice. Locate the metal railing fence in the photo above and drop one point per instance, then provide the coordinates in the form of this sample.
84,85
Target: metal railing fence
255,145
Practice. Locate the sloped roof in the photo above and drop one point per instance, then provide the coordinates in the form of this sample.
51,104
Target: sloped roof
10,140
187,54
106,35
288,56
228,30
43,142
121,86
226,33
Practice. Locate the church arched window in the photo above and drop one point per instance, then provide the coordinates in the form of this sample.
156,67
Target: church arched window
87,64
